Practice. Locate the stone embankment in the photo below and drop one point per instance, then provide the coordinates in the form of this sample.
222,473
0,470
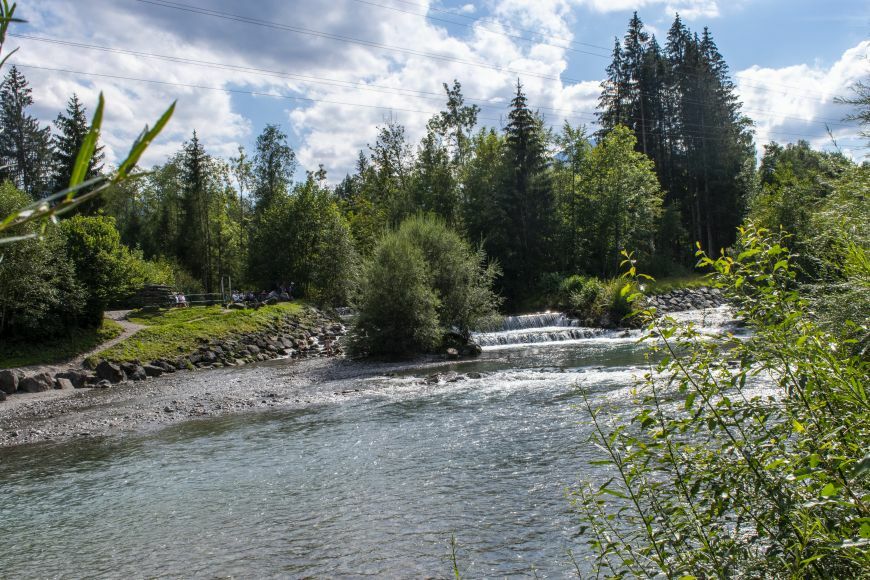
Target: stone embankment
686,299
309,336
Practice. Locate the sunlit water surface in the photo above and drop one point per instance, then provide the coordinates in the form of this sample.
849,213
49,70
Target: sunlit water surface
375,485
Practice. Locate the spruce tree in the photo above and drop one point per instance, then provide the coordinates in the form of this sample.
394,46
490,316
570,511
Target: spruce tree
72,129
528,199
274,166
25,147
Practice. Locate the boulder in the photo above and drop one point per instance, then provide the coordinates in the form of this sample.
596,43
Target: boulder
152,370
474,375
2,395
63,383
103,384
452,353
471,349
134,371
37,383
107,371
253,349
9,379
78,379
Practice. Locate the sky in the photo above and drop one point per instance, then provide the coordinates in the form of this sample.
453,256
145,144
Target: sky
329,72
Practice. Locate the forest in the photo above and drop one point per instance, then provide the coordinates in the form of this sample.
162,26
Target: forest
671,169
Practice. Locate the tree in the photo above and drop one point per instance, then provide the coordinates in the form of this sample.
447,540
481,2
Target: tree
274,166
861,101
528,199
25,147
40,295
622,201
422,282
72,129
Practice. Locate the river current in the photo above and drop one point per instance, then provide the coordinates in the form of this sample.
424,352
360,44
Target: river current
485,452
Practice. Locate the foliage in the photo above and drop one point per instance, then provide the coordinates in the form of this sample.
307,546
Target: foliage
176,331
303,238
421,281
747,457
40,296
25,146
105,268
683,108
274,165
621,201
63,348
72,131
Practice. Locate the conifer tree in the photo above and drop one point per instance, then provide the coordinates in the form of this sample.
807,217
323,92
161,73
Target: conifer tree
72,129
528,199
25,147
274,166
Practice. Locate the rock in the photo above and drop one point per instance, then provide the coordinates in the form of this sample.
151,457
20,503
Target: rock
474,375
253,349
107,371
103,384
63,383
208,357
236,306
37,383
134,371
78,379
452,353
9,379
2,395
471,349
152,370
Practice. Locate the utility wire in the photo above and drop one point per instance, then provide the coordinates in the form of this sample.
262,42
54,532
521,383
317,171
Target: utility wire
697,131
347,84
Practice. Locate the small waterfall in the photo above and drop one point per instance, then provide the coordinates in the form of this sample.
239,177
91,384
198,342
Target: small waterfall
535,329
540,320
551,334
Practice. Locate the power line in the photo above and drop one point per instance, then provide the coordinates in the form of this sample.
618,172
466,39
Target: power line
347,39
336,82
279,26
488,29
693,129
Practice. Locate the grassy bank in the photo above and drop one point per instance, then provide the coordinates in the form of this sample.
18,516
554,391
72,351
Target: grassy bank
53,351
173,332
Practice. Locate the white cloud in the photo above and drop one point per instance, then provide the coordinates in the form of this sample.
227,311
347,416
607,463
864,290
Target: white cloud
688,9
797,101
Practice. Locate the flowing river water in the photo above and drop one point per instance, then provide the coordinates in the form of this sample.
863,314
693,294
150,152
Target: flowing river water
484,451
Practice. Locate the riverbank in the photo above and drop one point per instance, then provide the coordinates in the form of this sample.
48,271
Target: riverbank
161,342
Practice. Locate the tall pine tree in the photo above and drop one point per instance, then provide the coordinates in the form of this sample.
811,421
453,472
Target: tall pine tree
25,146
72,129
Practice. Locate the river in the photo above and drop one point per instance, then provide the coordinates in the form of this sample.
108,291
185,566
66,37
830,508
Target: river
374,485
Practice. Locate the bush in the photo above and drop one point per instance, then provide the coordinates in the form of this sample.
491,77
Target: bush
748,458
105,267
40,296
421,282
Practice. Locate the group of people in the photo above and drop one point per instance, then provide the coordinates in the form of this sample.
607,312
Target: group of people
281,293
180,300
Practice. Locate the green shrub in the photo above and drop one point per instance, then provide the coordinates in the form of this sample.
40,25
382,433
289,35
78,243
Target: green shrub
746,458
422,281
103,265
40,296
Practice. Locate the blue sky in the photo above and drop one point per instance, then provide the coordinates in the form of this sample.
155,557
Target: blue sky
342,67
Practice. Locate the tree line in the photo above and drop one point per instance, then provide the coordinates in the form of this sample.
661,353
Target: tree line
673,164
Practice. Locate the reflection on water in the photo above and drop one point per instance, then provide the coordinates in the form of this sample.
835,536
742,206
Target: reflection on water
375,485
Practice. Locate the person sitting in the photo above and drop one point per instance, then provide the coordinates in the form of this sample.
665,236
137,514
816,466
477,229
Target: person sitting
182,300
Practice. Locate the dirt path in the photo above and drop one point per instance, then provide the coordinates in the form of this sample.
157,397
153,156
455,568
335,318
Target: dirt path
119,316
130,328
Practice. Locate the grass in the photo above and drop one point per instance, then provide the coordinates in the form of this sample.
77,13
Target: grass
170,333
665,285
80,341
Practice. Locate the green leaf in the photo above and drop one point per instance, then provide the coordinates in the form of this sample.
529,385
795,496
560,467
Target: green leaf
862,467
690,399
142,143
829,490
797,426
89,144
